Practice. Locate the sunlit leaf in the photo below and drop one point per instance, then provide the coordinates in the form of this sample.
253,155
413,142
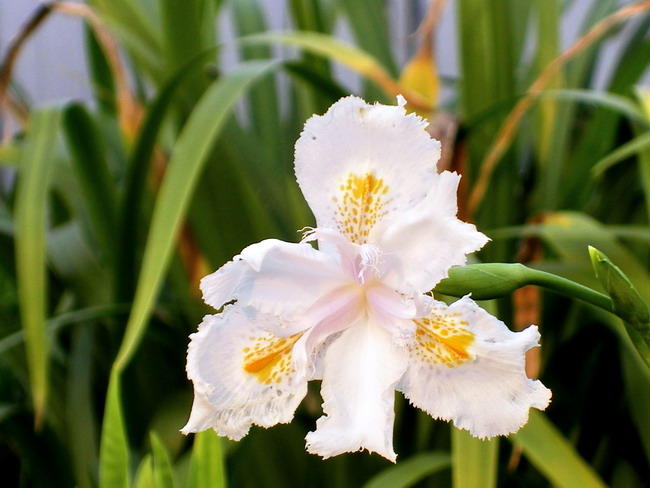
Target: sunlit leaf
474,461
190,153
553,455
162,467
31,204
114,451
410,471
207,464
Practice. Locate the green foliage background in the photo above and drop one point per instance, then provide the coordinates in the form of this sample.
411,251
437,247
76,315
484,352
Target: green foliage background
120,205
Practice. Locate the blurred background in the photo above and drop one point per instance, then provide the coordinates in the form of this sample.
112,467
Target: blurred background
146,142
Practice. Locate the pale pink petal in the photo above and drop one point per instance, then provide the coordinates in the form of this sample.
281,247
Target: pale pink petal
361,369
468,367
358,163
242,375
420,245
277,278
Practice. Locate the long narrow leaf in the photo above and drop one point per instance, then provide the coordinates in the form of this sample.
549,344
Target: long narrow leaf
410,471
31,203
207,466
635,146
114,449
474,461
191,150
553,455
93,174
346,54
129,220
162,467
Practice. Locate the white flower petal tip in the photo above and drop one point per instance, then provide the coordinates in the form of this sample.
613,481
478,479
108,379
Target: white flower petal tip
375,160
468,367
242,375
357,399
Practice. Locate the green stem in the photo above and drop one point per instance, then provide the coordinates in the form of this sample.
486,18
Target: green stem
569,288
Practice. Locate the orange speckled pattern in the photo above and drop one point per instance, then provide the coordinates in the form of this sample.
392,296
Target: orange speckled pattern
269,357
443,339
360,205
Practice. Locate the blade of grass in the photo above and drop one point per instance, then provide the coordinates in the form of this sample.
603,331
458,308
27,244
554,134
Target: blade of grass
474,461
263,105
636,146
410,471
198,136
182,39
93,174
162,466
80,415
144,477
131,23
31,204
130,211
114,448
545,447
611,101
207,468
369,25
346,54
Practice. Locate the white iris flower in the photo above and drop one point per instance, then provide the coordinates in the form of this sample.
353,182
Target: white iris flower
356,313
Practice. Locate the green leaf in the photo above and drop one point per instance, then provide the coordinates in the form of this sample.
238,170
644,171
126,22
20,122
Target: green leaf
114,448
635,146
546,448
610,101
93,174
144,477
262,98
474,461
330,47
191,150
31,204
162,466
134,27
130,211
627,302
207,464
409,471
79,407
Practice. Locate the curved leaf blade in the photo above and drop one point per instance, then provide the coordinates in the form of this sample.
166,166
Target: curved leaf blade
553,455
31,203
410,471
192,148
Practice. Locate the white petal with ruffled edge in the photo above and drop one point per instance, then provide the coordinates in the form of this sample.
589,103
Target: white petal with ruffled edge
468,367
361,369
277,278
358,163
242,375
419,246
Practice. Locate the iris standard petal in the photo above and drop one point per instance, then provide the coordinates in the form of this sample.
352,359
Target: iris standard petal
242,375
361,369
420,245
468,367
358,163
275,277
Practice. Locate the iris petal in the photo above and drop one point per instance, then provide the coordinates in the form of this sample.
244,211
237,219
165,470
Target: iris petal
277,278
242,375
358,163
361,369
422,244
468,367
